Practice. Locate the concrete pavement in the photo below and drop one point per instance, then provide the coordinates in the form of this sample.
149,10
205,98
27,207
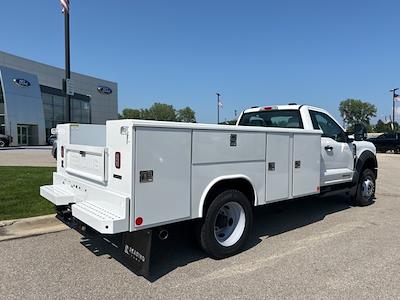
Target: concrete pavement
32,157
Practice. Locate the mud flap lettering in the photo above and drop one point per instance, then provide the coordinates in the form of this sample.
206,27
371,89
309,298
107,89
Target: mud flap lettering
136,248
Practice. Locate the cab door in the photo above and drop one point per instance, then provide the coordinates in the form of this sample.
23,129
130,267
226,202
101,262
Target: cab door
337,161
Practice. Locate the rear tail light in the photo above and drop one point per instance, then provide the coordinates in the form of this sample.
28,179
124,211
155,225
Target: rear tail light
62,151
267,108
118,160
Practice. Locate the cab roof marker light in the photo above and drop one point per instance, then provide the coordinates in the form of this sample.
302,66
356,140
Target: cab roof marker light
267,108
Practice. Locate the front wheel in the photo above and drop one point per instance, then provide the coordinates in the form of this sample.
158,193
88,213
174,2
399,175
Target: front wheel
365,189
226,225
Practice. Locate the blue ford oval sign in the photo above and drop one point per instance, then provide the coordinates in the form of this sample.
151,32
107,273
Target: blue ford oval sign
21,82
104,90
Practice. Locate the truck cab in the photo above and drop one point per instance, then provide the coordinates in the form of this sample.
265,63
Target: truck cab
339,153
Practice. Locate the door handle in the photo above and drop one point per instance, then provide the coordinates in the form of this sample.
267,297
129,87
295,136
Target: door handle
328,148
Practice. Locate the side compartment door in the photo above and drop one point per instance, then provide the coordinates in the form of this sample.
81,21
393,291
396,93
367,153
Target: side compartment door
279,160
337,159
306,164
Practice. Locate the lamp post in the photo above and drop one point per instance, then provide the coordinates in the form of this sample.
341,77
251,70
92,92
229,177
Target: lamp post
67,82
394,103
218,105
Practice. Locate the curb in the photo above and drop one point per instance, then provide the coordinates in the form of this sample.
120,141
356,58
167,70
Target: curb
19,228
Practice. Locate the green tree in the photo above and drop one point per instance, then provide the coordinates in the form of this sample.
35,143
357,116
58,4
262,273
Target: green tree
355,111
383,127
130,113
186,115
160,112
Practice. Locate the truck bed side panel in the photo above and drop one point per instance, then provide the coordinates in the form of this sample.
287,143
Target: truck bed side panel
218,156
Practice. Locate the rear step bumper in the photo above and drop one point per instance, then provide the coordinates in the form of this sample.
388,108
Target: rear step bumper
99,218
105,211
56,194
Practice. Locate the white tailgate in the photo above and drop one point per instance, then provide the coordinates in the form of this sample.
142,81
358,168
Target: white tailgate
86,161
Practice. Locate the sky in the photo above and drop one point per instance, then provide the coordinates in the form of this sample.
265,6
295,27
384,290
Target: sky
255,52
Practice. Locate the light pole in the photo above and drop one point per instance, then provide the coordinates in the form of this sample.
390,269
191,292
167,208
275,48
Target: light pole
67,83
218,105
394,102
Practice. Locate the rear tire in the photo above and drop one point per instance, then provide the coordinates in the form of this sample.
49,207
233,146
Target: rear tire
226,225
3,143
365,188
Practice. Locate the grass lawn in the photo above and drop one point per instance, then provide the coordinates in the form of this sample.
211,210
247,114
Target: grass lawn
19,192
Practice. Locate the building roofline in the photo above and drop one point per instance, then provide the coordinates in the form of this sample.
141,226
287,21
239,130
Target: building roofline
54,67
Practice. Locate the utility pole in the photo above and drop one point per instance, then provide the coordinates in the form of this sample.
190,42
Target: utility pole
67,82
218,105
394,103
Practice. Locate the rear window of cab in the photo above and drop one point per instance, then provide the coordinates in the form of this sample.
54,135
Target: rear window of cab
272,118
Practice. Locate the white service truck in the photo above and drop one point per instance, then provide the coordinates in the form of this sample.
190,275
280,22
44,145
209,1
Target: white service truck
129,176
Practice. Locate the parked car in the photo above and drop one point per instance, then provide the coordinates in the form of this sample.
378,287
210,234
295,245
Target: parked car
54,149
387,142
51,139
5,140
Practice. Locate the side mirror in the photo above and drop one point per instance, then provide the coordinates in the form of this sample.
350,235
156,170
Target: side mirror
360,132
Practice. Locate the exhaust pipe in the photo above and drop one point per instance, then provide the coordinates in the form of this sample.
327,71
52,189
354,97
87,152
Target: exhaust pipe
163,234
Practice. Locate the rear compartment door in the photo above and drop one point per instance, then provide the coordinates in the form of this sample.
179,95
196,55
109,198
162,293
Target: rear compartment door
162,175
86,161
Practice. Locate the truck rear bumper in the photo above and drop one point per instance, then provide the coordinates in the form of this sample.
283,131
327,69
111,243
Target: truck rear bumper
103,210
99,218
56,194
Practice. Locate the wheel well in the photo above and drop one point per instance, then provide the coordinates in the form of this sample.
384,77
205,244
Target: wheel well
370,163
240,184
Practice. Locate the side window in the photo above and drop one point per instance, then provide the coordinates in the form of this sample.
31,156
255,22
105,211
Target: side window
328,126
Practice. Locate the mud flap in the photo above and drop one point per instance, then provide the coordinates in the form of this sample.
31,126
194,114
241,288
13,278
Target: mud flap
136,248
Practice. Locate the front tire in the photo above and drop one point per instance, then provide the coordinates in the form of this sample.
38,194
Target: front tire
365,188
226,225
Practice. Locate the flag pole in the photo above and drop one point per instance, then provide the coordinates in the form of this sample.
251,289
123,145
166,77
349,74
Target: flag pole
67,57
394,103
218,103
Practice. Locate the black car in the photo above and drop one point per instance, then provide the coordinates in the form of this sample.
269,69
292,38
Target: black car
54,149
51,139
387,141
5,140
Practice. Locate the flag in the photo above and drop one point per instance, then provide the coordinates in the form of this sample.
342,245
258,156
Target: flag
64,6
396,97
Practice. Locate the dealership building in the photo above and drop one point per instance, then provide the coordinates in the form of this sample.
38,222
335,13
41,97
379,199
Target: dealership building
32,100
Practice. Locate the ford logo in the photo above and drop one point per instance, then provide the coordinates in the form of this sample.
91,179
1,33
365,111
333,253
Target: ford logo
21,82
104,90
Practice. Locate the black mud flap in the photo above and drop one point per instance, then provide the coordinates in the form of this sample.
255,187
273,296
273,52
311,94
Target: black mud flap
136,247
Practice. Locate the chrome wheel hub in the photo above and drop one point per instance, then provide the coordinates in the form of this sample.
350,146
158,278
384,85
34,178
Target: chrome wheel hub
367,188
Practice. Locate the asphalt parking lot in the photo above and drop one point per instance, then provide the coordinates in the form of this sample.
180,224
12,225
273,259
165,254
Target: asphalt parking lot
306,249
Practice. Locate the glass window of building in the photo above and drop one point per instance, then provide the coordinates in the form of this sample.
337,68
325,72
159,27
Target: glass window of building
2,124
55,109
